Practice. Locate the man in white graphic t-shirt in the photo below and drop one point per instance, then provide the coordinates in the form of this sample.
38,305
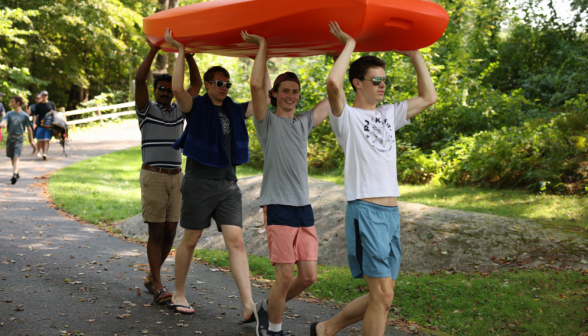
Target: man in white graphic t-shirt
365,132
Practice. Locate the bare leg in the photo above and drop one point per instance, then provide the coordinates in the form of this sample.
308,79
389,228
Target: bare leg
305,278
184,255
372,308
156,232
167,240
233,236
277,296
15,162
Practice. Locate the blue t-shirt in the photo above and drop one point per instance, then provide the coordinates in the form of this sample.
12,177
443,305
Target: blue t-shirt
2,108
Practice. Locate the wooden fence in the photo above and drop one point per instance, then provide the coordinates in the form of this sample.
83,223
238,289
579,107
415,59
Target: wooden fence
99,110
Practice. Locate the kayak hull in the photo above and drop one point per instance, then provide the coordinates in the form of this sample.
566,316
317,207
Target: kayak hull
298,29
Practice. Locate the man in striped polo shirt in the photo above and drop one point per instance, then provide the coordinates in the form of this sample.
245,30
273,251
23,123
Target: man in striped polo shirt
161,124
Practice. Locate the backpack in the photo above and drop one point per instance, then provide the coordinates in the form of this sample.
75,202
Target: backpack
47,120
59,127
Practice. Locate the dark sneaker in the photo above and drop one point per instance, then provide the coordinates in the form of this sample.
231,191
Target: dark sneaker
260,311
17,176
279,333
13,179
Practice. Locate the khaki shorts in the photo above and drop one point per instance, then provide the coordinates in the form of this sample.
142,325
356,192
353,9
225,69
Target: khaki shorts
161,199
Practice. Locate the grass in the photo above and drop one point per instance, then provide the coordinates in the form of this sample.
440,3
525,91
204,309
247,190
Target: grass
524,302
102,190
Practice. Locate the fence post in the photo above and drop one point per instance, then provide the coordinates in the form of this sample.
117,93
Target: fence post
100,115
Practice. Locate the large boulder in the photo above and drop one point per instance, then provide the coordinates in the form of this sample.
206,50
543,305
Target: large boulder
432,238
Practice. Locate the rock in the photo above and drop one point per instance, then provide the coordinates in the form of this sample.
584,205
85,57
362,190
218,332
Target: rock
432,238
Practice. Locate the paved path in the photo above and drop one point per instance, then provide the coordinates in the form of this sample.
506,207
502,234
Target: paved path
40,249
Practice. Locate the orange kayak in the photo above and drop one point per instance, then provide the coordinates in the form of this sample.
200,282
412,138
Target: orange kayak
299,28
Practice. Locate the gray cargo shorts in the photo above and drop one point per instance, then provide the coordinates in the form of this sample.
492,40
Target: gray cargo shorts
14,144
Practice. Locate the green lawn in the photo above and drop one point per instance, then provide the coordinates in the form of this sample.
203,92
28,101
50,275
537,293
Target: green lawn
531,302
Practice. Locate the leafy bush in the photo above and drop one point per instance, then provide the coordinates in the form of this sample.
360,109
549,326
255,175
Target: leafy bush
543,155
414,167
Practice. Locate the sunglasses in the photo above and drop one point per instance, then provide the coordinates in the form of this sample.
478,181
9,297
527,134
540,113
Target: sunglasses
220,83
163,89
377,80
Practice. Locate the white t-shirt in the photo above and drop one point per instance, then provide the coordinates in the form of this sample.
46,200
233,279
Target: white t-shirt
369,143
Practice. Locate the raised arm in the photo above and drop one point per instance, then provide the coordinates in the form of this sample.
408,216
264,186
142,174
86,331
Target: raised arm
258,80
268,86
141,91
195,78
336,78
321,112
427,94
182,96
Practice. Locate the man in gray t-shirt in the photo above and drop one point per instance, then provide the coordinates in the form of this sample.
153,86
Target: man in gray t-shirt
284,197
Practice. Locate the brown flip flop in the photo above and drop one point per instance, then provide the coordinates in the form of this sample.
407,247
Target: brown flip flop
162,296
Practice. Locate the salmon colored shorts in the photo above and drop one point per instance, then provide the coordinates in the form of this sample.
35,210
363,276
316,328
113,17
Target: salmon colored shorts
291,234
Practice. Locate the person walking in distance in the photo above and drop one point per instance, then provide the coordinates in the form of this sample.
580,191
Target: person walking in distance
30,111
43,134
288,216
366,133
17,122
161,124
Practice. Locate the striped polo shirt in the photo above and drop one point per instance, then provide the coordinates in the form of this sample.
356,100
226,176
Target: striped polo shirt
160,128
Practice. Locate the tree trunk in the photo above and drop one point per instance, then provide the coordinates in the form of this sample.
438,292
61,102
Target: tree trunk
161,62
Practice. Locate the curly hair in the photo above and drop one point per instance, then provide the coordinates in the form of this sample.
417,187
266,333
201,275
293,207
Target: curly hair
360,67
161,78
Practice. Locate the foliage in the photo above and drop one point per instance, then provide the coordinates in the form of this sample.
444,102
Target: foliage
15,78
107,98
414,167
74,49
545,57
541,154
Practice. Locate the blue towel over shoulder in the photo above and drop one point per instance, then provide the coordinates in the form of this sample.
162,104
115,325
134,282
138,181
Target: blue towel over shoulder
203,139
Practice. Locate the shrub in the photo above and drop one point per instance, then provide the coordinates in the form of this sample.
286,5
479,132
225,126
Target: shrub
542,155
414,167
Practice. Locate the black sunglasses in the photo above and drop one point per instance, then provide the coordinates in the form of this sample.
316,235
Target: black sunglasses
163,89
377,80
220,83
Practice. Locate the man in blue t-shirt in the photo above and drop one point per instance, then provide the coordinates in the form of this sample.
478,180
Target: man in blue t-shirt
17,122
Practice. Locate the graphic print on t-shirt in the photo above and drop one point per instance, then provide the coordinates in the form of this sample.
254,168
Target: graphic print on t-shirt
379,133
225,122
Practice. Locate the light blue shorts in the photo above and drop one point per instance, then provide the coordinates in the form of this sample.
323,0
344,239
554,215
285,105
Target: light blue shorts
373,240
44,133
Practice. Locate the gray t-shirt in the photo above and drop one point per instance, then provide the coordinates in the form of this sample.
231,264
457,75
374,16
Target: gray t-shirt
285,168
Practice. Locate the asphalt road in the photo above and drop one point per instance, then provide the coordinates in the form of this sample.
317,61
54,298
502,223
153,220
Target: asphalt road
62,277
